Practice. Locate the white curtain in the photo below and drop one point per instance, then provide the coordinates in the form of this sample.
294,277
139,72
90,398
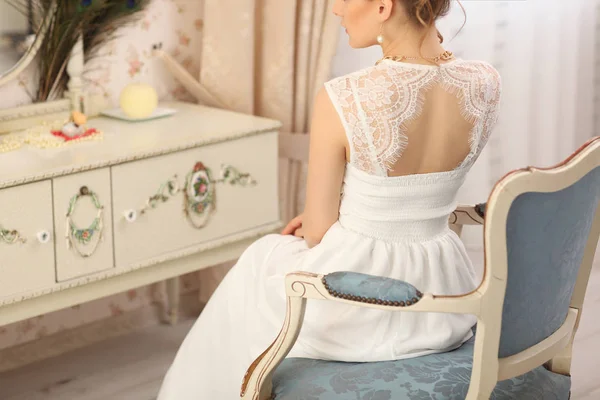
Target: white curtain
547,53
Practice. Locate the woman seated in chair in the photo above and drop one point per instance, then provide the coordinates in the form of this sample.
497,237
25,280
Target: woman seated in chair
390,146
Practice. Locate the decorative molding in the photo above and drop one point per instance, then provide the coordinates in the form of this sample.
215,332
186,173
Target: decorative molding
135,156
23,117
256,232
34,110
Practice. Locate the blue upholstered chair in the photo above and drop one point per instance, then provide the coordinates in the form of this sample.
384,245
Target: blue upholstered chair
540,233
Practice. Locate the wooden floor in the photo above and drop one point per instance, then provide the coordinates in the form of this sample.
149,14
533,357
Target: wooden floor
132,367
126,368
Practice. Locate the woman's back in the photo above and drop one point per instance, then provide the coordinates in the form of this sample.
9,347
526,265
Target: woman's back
404,119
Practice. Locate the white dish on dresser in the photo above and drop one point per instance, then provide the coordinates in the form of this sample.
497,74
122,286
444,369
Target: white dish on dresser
159,112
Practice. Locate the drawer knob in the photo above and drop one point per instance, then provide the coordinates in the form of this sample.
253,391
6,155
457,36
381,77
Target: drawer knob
130,215
43,237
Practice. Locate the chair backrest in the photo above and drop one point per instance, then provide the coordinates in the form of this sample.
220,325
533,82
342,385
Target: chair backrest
548,228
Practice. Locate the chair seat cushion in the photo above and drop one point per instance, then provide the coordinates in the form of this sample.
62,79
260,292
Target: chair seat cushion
433,377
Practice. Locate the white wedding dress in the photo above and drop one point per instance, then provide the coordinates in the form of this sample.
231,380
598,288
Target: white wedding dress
391,226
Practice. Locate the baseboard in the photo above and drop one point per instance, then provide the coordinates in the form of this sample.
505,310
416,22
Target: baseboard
85,335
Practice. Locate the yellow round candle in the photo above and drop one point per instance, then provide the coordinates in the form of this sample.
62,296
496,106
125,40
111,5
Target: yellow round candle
138,100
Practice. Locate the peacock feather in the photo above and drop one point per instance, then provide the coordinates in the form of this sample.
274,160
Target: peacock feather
96,21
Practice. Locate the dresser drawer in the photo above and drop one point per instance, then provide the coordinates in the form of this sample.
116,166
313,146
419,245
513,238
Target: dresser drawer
167,227
83,219
27,264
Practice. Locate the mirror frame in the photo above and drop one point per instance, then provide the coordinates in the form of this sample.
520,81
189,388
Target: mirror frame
30,54
23,117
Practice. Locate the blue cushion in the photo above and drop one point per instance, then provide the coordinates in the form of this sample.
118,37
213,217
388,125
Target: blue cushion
371,289
443,376
546,235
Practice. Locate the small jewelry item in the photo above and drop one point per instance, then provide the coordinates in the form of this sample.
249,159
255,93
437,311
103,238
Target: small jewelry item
51,135
74,234
380,36
75,128
445,56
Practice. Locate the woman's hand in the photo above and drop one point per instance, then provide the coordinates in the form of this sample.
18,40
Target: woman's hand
294,227
299,233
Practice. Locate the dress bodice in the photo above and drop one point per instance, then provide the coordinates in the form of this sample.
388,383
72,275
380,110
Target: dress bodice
382,108
404,208
386,110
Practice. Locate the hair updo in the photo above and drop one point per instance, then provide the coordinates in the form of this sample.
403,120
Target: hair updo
425,12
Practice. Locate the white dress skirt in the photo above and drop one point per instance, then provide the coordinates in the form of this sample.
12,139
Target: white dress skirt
247,310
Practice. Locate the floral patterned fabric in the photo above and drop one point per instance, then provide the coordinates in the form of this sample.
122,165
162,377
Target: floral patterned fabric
444,376
177,24
371,287
546,238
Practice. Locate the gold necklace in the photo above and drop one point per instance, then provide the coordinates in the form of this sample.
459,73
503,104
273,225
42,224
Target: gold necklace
445,56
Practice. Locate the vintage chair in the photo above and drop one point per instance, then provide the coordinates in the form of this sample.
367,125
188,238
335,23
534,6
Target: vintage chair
540,233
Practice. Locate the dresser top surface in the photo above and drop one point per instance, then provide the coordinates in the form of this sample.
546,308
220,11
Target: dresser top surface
191,126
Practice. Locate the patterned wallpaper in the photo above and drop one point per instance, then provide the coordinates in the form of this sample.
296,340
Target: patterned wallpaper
178,25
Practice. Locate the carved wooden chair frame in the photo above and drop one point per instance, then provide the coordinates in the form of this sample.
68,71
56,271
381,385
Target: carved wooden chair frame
486,302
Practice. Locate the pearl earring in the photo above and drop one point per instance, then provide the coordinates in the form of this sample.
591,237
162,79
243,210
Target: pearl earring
380,36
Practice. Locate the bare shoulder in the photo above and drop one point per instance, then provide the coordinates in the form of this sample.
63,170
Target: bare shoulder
323,107
326,121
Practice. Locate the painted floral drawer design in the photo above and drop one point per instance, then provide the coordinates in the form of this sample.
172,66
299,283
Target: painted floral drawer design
26,242
169,203
82,220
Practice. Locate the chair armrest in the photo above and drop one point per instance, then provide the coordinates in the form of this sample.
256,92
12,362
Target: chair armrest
468,215
370,289
345,287
377,292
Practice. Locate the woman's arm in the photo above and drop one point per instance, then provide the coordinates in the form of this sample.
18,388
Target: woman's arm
326,165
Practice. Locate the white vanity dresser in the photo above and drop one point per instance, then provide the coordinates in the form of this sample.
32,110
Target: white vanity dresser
149,202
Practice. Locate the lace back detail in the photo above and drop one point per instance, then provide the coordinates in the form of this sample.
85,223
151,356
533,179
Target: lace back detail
376,106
